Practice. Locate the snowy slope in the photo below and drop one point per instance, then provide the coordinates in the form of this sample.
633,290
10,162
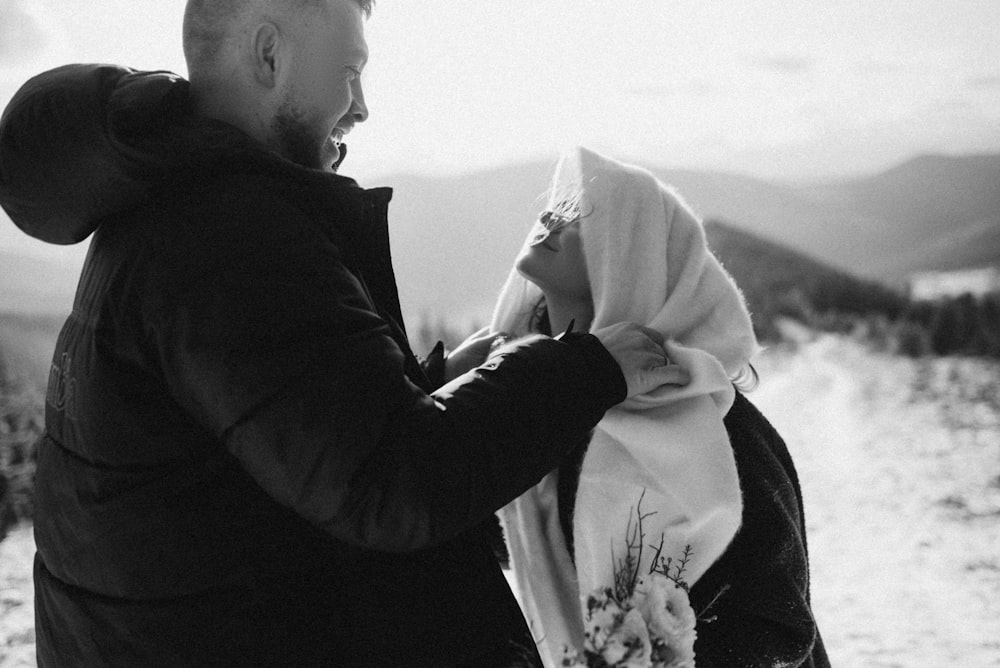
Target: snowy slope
900,469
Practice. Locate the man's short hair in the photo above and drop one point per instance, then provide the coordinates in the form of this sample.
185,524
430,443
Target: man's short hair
206,24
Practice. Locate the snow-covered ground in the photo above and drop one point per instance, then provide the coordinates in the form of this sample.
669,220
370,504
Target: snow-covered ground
17,610
900,468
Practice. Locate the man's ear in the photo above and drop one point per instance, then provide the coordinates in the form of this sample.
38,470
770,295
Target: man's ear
265,42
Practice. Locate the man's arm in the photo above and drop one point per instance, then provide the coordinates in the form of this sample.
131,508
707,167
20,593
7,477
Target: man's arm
273,347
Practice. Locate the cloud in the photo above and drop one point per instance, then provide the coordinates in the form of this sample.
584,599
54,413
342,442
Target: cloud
990,82
692,88
782,63
878,67
27,31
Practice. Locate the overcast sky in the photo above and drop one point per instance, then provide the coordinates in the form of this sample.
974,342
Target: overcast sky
779,89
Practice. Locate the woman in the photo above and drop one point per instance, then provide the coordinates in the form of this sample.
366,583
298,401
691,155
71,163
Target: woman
616,244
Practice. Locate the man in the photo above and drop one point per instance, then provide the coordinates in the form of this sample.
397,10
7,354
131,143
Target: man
244,463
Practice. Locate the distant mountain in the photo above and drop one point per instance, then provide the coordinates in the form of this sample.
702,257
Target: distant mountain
969,245
782,213
454,239
928,194
778,281
932,212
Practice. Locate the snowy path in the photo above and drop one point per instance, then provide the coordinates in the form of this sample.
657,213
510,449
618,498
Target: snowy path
17,609
900,468
902,505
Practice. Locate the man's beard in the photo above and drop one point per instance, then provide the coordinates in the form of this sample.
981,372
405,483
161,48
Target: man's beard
295,141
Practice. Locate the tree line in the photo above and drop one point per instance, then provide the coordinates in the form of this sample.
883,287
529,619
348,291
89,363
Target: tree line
779,282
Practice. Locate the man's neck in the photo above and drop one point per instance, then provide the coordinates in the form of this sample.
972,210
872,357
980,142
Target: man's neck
220,103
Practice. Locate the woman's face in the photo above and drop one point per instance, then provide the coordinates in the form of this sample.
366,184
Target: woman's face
554,260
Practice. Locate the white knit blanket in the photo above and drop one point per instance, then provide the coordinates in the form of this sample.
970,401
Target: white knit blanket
648,263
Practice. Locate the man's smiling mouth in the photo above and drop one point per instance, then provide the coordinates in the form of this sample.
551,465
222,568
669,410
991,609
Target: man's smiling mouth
338,135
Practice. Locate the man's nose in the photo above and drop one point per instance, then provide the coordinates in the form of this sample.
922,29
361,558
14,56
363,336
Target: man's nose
359,110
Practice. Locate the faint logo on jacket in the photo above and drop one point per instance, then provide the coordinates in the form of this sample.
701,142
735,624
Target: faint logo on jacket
61,393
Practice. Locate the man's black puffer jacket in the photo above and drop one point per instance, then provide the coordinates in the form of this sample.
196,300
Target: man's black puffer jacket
244,463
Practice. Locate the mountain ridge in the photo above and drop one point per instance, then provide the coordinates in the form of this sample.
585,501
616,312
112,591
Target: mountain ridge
456,237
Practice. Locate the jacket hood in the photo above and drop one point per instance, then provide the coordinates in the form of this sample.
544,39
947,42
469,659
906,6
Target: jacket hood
82,142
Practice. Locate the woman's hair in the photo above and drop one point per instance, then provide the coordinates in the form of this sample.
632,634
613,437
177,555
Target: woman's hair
568,207
539,319
745,381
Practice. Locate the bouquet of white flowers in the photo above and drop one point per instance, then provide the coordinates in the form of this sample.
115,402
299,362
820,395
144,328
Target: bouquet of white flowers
644,621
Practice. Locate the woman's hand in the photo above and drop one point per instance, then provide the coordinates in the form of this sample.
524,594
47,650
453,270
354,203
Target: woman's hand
469,354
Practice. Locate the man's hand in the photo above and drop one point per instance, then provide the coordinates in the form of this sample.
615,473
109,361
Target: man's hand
468,355
639,352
